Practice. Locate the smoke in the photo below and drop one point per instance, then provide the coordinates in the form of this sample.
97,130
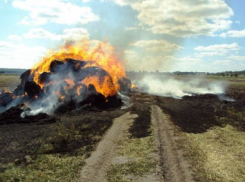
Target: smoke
65,89
176,88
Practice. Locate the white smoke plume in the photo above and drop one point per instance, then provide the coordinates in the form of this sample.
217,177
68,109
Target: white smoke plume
177,88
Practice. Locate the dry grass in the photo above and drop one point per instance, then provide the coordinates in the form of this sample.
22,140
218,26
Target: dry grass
140,152
46,168
60,154
218,152
216,155
140,161
9,81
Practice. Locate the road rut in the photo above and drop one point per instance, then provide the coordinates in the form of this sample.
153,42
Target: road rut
99,162
172,164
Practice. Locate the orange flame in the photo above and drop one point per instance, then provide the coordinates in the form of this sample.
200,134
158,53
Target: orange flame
5,90
104,87
70,82
102,55
78,90
133,86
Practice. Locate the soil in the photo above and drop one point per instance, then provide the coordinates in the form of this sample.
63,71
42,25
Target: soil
19,140
100,160
190,114
173,166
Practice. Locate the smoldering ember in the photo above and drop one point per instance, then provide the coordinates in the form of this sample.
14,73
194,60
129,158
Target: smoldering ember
79,76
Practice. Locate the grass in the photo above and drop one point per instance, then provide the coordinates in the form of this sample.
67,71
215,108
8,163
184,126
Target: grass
141,162
216,155
212,133
61,151
236,91
219,153
46,168
9,81
138,148
216,152
53,152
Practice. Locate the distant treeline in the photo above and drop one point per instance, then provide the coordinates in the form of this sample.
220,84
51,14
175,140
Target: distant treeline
226,73
11,71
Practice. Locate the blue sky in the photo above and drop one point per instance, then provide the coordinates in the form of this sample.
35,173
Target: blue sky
165,35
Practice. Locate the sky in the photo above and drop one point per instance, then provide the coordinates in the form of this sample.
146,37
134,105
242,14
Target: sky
164,35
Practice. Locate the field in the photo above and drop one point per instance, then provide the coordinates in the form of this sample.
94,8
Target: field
9,81
156,139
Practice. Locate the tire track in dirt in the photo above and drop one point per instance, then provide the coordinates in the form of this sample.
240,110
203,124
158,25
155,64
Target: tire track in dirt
172,164
100,160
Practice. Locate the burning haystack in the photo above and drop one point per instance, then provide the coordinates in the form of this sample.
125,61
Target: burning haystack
76,76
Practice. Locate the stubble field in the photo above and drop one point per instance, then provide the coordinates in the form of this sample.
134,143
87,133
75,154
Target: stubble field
205,132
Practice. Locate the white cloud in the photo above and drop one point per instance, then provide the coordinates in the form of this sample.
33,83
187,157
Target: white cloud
130,53
131,28
189,60
40,33
219,48
157,45
14,37
233,33
125,2
156,55
222,62
132,60
19,55
182,18
74,34
209,54
237,58
152,55
137,61
54,11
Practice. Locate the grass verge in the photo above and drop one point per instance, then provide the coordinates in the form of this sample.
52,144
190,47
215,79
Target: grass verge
216,155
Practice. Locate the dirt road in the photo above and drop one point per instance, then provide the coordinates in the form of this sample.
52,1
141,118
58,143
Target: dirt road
170,166
100,160
173,166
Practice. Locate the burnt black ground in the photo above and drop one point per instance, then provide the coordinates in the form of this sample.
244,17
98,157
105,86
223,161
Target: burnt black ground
70,132
141,125
194,115
200,113
76,129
